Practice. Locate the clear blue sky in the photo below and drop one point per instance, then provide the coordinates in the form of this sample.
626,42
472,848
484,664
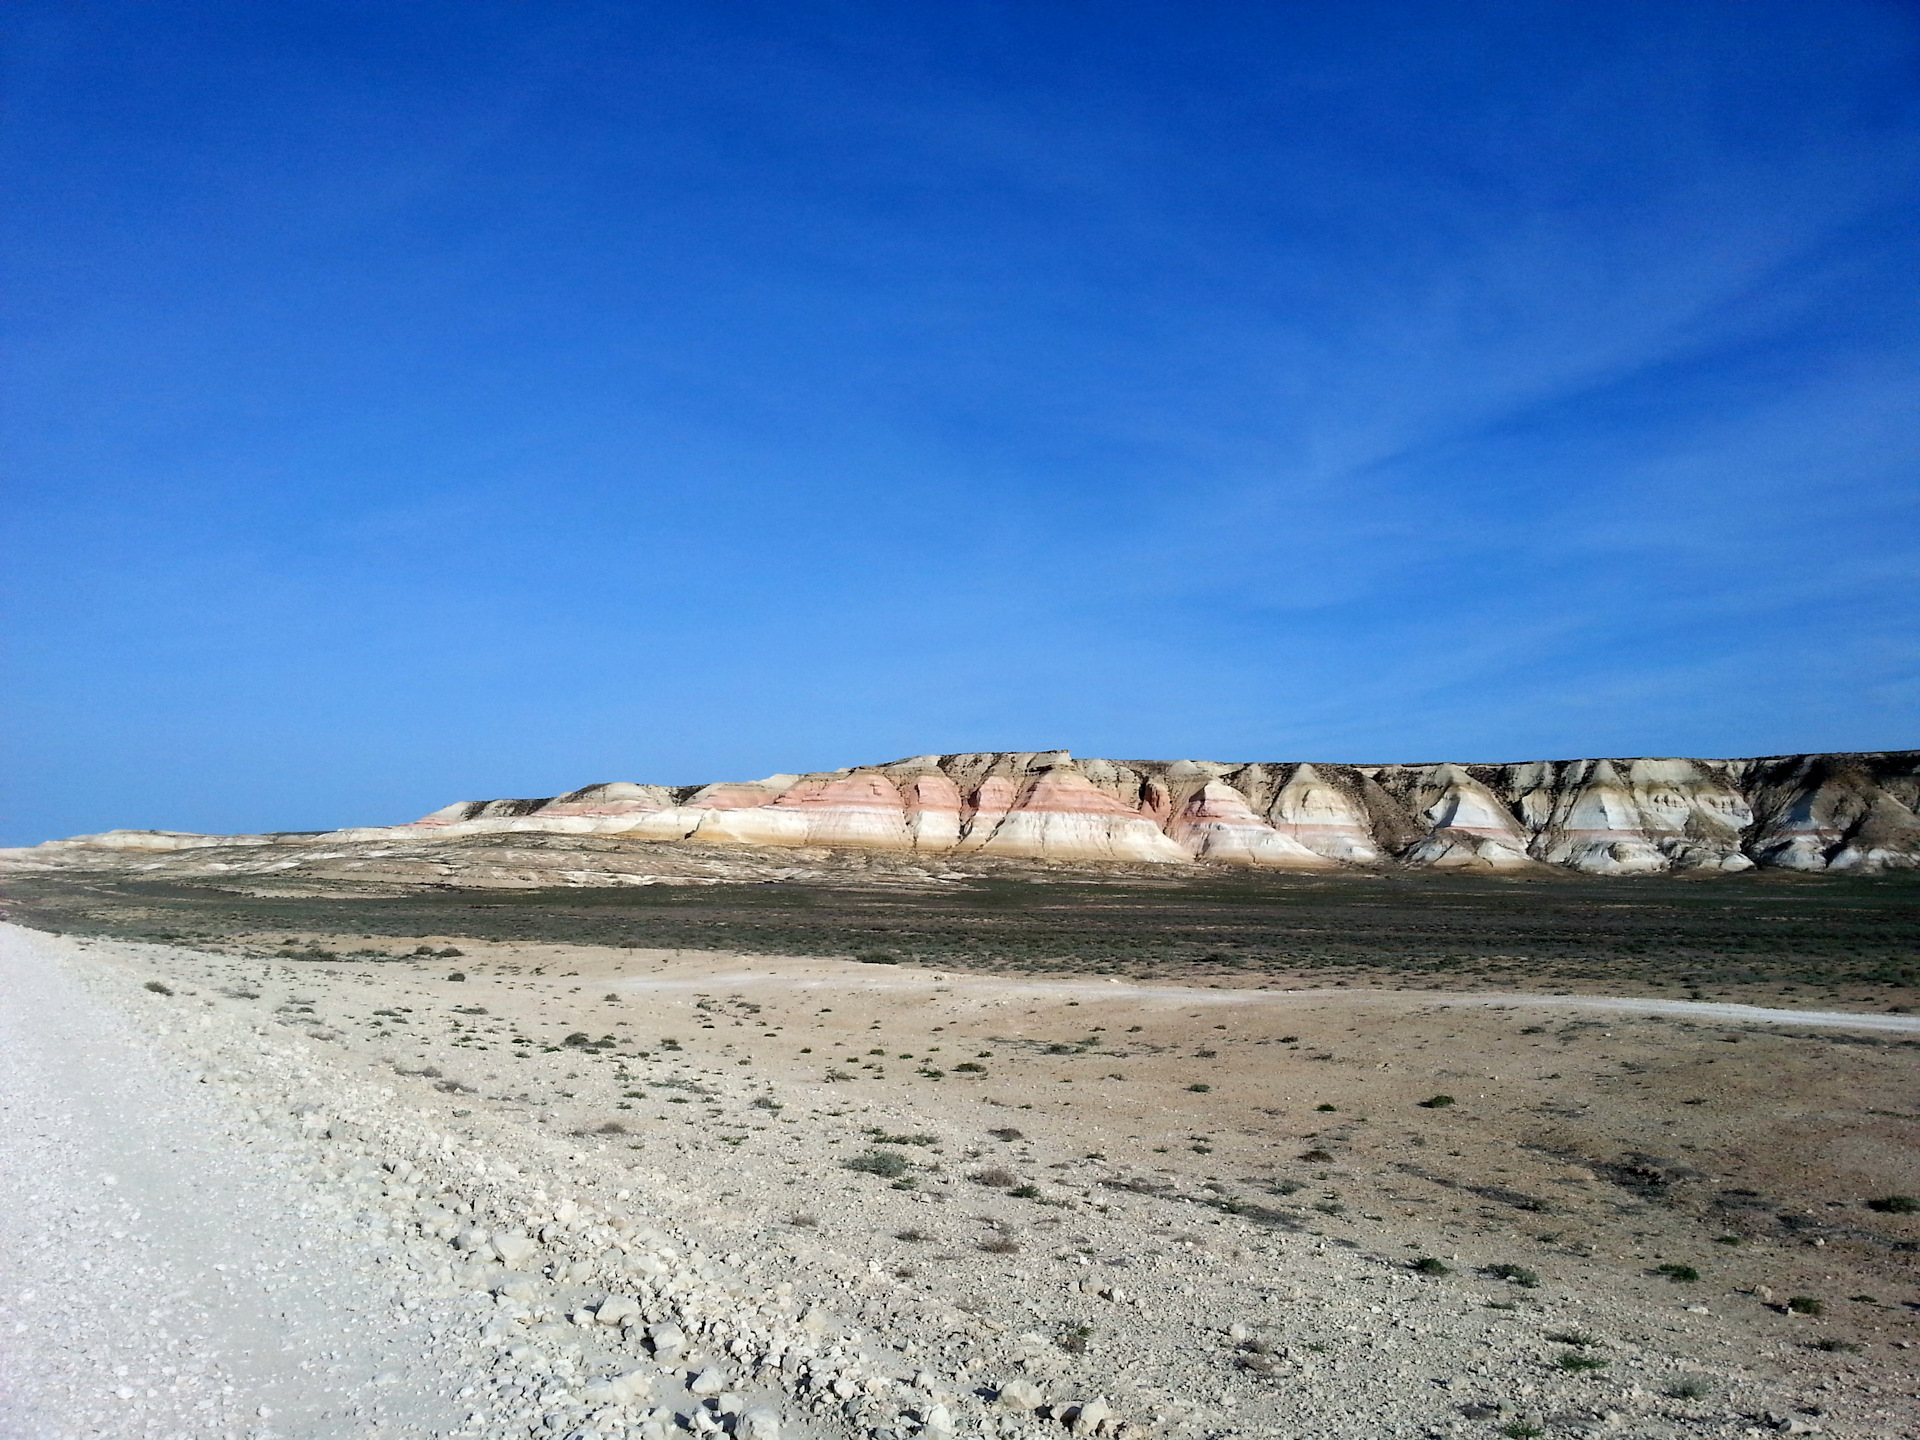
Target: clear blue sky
417,402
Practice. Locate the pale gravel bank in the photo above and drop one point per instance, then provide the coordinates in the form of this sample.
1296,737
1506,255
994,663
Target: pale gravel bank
167,1267
400,1261
196,1241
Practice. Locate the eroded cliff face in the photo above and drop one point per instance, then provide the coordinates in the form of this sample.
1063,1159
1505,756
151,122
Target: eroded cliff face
1849,813
1609,817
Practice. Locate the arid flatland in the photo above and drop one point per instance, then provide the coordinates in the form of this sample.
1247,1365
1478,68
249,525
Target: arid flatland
1261,1155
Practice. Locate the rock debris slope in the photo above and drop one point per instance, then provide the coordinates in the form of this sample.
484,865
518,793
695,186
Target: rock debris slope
1839,812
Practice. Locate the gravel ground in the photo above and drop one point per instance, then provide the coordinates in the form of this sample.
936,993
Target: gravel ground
167,1267
238,1205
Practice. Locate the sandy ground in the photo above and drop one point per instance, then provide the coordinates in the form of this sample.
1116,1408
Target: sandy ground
1190,1212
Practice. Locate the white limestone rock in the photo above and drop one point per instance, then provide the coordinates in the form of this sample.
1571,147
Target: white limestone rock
617,1310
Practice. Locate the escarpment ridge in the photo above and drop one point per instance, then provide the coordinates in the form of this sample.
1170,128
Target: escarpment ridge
1853,812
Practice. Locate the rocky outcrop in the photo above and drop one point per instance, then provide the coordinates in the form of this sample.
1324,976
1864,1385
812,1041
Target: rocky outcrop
1640,816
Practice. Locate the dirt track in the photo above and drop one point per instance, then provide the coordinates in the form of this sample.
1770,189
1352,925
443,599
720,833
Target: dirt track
1112,990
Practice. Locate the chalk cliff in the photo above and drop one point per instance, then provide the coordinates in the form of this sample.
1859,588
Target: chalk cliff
1842,812
1610,817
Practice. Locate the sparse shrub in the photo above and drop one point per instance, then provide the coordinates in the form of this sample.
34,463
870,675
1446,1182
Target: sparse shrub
1895,1205
610,1127
1317,1157
1679,1274
1328,1109
765,1102
912,1237
887,1164
877,957
1577,1362
1000,1245
1805,1305
450,953
1691,1388
1025,1192
1835,1346
1428,1265
458,975
1073,1338
1436,1102
803,1222
1200,1089
157,988
1515,1275
579,1039
1007,1132
970,1068
1570,1337
1521,1430
998,1177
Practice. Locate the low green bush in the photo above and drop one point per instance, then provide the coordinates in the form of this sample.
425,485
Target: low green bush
1515,1275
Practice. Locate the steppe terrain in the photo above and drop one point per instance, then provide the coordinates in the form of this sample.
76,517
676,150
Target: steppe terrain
1311,1156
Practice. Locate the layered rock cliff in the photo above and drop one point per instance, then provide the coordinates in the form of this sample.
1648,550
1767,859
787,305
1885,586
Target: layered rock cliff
1843,812
1852,812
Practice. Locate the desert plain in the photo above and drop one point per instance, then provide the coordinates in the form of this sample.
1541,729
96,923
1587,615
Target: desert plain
1031,1155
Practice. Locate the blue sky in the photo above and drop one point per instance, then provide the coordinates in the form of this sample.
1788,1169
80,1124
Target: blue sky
420,402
